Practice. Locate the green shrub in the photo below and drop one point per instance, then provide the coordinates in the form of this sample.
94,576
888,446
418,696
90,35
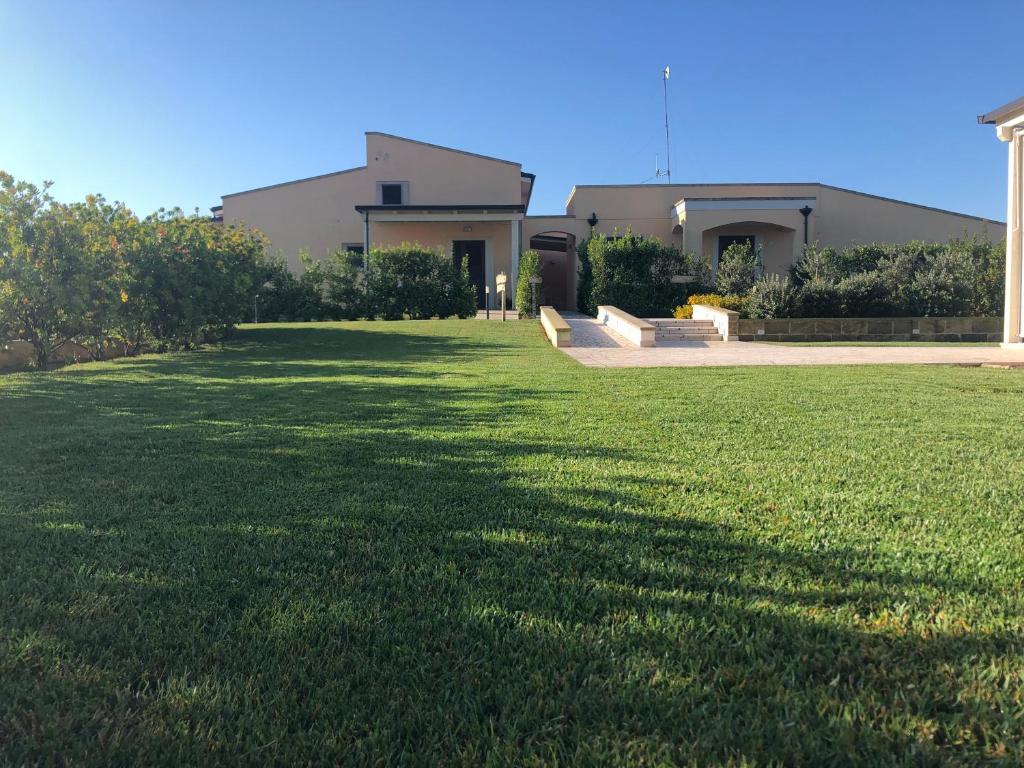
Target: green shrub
416,282
287,297
529,266
635,273
817,298
738,269
771,297
93,273
820,264
345,285
584,279
864,294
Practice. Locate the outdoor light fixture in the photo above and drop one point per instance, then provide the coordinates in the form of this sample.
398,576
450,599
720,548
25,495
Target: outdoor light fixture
806,211
592,221
467,228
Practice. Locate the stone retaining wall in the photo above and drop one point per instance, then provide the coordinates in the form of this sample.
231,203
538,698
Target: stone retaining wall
873,329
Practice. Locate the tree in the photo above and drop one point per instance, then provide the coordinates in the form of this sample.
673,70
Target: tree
529,266
47,273
635,273
738,268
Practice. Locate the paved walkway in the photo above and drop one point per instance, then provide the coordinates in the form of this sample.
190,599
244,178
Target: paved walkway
595,346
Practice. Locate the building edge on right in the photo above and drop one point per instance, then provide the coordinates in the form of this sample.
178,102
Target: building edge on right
1009,123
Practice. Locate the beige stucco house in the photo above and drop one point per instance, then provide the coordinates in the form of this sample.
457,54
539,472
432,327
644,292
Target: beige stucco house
1009,122
475,207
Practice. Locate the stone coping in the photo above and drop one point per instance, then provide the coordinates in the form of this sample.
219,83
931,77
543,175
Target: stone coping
726,320
638,332
872,329
558,331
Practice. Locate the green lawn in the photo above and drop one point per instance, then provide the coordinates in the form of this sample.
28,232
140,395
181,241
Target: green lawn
445,542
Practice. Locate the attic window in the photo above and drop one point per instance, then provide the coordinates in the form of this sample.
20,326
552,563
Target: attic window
391,194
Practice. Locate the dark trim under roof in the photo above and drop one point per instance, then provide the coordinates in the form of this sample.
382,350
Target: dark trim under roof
998,114
497,208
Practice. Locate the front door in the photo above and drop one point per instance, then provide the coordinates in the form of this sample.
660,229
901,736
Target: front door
472,252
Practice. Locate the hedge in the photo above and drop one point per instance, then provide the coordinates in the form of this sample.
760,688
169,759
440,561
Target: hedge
405,281
529,266
635,273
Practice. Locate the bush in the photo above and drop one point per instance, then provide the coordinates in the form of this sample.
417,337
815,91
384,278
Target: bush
287,297
864,294
738,269
821,264
771,297
94,274
817,298
345,285
529,266
635,274
416,282
730,301
584,280
683,312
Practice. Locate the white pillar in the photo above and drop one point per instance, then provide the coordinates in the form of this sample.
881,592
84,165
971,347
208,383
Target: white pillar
512,278
1013,324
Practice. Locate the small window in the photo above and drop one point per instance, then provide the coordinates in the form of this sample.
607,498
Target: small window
391,194
353,247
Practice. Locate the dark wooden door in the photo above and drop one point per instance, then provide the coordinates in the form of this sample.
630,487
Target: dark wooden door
472,253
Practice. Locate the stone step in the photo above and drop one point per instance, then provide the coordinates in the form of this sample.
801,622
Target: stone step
685,337
685,329
683,324
705,335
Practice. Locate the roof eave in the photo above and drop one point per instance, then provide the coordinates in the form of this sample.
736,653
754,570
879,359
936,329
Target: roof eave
1000,114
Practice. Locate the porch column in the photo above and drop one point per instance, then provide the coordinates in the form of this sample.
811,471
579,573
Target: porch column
1013,324
515,258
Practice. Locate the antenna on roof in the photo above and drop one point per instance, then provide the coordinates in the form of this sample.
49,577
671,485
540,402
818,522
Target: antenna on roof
668,155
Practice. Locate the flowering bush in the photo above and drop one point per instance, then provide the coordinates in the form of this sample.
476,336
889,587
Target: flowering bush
728,301
93,273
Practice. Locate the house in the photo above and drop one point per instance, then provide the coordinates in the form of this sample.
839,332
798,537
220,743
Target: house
1009,122
475,207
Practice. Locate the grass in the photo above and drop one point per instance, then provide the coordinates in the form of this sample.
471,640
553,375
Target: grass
445,542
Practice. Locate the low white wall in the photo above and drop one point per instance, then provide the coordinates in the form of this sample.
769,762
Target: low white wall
634,330
726,321
557,330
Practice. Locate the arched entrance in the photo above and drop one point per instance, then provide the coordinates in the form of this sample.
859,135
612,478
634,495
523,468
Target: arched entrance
778,243
557,251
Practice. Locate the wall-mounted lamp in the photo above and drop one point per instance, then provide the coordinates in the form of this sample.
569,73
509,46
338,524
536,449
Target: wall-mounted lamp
806,211
467,228
592,221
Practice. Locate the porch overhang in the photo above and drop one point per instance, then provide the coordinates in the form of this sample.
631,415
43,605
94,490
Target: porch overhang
461,212
694,204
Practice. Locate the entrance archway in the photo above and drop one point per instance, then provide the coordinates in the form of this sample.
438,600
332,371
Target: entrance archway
776,241
557,251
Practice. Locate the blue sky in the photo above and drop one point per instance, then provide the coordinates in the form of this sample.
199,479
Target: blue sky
177,103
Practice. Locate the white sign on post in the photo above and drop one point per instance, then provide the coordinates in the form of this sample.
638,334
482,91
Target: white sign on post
500,280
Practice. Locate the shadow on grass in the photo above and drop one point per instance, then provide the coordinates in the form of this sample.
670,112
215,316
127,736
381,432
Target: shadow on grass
275,551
